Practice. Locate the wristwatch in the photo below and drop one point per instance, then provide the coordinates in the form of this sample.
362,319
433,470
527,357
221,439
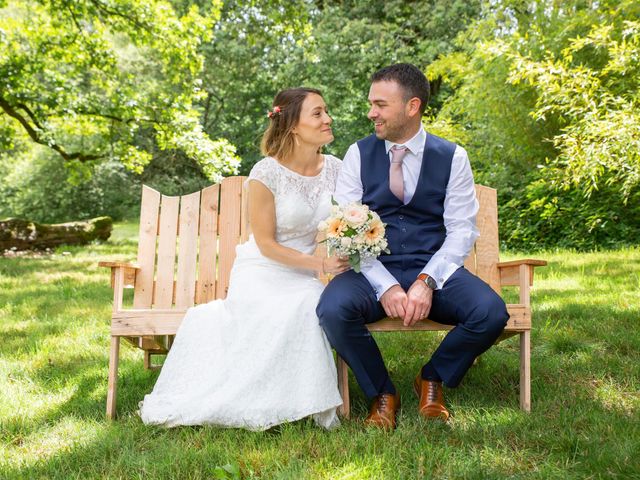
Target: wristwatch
431,283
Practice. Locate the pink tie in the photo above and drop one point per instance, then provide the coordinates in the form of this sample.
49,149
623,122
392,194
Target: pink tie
396,181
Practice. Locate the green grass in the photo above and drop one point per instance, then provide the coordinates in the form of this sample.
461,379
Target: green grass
54,337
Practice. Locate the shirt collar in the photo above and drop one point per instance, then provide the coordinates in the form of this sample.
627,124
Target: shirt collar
414,145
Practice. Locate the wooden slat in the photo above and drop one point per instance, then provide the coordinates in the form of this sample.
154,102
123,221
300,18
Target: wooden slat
528,261
208,235
118,286
245,226
188,250
135,266
520,319
343,386
112,388
143,293
146,322
396,325
525,371
526,271
229,230
151,343
167,235
487,247
470,261
321,251
129,276
510,276
173,297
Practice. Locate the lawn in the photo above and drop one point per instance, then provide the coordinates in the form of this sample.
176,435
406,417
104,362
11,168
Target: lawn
54,331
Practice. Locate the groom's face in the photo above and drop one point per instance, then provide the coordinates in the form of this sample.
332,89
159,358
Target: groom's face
389,111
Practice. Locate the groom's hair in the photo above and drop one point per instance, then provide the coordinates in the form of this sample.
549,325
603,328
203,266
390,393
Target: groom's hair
410,78
278,140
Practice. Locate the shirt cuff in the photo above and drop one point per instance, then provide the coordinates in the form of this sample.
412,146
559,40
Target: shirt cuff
378,276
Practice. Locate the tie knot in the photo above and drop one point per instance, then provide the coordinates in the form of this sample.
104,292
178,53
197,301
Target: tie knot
398,153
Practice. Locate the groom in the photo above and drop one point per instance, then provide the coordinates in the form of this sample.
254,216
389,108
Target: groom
422,188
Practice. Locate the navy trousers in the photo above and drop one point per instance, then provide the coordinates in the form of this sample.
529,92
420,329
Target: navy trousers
349,303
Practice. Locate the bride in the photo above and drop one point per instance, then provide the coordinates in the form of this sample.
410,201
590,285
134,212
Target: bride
259,358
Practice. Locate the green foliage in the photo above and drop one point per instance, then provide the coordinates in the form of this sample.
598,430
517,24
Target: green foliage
547,94
259,48
39,186
542,94
547,215
146,82
243,62
596,97
83,77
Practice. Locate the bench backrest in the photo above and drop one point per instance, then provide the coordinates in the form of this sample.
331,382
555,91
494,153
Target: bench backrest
187,244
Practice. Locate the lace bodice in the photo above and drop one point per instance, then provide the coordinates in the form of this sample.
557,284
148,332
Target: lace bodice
301,202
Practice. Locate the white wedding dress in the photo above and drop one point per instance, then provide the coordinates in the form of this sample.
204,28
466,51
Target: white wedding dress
258,358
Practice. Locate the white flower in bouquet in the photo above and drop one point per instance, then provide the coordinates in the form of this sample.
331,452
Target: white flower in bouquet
354,231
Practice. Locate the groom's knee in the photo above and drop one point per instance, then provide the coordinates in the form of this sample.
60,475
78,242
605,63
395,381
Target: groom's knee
339,305
332,311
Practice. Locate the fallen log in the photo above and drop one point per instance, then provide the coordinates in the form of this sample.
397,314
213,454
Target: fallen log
20,234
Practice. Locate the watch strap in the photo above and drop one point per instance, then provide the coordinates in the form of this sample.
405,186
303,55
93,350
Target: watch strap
430,282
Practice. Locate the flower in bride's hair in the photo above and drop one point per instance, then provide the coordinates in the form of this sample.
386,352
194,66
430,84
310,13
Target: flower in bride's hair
272,113
335,226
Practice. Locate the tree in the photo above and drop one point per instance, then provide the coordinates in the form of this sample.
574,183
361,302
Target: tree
85,77
259,48
593,87
546,93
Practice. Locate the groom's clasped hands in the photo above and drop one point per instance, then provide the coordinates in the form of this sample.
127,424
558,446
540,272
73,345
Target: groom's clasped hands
409,306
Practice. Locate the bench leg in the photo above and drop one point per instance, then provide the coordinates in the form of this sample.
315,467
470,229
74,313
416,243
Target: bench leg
343,386
114,355
525,371
147,360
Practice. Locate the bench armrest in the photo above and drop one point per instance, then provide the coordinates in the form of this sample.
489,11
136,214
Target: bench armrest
519,273
527,261
133,265
128,274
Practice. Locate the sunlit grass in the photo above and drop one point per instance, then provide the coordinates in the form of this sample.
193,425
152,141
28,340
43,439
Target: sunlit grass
54,332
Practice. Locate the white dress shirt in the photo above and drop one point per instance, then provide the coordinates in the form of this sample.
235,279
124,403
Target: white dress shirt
460,209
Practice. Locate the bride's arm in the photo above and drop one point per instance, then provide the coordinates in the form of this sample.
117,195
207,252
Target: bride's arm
262,214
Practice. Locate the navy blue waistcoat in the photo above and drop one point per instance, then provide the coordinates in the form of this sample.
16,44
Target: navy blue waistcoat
415,231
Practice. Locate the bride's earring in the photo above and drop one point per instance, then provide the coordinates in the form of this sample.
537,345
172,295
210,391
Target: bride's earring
296,139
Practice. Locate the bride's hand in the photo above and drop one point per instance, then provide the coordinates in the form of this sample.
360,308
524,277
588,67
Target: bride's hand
335,265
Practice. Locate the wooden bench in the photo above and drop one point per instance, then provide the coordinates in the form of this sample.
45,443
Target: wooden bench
186,249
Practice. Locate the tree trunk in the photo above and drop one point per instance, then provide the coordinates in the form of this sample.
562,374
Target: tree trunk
26,235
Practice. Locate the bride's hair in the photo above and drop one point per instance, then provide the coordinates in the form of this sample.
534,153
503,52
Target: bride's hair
278,140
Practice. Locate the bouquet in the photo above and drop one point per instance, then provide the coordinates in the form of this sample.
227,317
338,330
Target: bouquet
354,231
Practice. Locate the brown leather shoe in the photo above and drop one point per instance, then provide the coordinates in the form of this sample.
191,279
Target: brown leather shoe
431,404
383,411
